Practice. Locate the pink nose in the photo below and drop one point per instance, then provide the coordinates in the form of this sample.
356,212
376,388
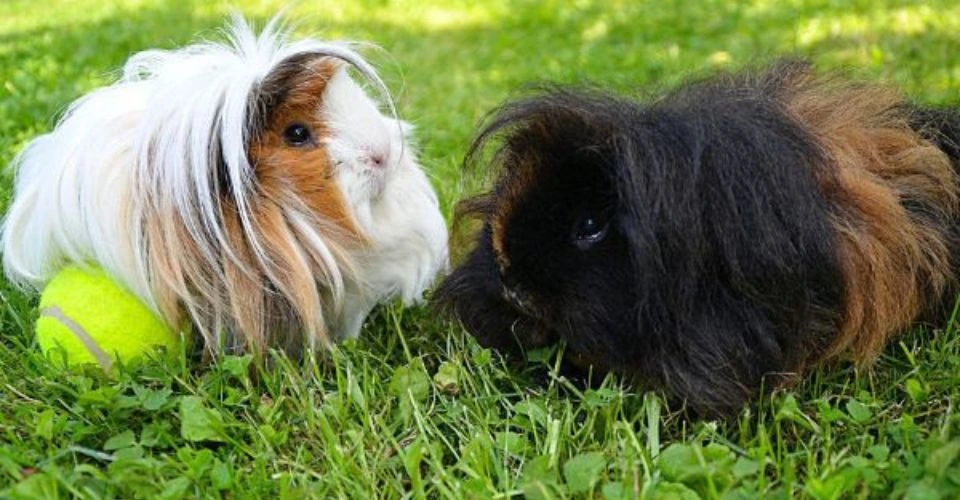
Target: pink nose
378,159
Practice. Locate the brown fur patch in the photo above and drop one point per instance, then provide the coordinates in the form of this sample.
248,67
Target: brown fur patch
304,169
299,178
892,261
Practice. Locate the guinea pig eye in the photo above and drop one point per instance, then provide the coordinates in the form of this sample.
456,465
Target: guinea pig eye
297,135
590,230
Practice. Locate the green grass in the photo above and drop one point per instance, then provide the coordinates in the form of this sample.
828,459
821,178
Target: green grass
415,408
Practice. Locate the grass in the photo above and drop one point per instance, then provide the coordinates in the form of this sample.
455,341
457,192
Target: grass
415,408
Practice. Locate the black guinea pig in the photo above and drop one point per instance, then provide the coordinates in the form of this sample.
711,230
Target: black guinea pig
722,238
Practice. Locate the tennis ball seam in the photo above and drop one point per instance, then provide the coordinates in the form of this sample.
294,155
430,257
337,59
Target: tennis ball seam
81,334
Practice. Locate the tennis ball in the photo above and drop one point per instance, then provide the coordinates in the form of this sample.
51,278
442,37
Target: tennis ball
86,318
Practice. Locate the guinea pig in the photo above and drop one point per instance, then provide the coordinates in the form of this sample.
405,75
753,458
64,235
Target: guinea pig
718,240
250,188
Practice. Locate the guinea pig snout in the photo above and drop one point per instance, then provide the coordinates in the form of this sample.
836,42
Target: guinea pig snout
376,157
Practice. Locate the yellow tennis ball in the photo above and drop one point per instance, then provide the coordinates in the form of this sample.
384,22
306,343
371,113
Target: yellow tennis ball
87,318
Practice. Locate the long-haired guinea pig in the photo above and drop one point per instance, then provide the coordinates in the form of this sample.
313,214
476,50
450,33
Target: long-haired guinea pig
249,187
717,240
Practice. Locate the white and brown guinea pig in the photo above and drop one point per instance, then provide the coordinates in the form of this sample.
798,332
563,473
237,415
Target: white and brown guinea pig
250,187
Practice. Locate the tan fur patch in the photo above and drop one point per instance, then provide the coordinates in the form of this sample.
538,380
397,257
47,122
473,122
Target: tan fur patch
246,297
171,249
891,261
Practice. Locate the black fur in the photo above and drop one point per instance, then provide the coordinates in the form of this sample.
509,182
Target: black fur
719,271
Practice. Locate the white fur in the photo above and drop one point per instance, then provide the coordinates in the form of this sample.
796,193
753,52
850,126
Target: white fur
392,202
85,192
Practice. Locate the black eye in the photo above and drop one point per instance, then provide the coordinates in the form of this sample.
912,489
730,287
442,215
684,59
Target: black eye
297,135
590,230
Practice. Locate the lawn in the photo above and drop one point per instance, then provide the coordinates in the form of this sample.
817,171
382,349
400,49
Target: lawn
415,408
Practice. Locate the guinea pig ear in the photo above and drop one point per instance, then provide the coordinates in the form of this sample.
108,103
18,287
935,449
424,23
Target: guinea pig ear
326,65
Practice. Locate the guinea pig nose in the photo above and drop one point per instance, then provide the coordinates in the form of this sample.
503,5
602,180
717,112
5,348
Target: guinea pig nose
377,153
